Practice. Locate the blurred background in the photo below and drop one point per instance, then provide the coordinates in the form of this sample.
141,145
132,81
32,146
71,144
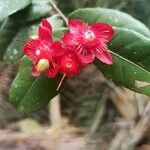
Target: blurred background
93,115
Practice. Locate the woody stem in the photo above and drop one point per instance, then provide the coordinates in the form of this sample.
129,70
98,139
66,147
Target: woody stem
59,11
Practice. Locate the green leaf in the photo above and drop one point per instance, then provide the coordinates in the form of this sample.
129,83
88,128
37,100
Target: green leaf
28,93
130,46
113,17
124,72
37,10
14,50
8,7
133,46
56,21
10,28
59,33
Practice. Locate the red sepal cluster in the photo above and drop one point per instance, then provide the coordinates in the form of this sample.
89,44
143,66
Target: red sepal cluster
77,48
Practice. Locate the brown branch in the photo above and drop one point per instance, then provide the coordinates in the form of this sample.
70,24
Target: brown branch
59,11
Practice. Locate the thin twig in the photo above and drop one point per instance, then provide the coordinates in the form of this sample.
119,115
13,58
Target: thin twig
61,81
59,11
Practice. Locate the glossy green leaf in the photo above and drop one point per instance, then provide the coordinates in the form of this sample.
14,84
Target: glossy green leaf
14,49
124,72
28,93
133,46
38,9
56,21
15,26
59,33
8,30
111,16
8,7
